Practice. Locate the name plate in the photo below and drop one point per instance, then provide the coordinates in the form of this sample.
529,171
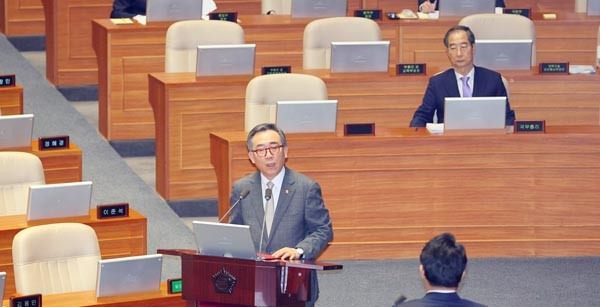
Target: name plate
112,210
53,142
554,68
174,285
271,70
369,14
34,300
411,69
226,16
522,12
7,80
359,129
530,126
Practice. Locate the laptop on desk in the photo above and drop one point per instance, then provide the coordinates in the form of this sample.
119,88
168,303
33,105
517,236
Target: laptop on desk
369,56
172,10
16,131
474,113
318,8
507,54
223,60
224,240
59,200
593,7
305,116
128,275
466,7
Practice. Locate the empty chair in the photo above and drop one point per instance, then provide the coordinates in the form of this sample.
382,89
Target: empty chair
183,38
20,170
55,258
502,26
280,7
319,34
263,92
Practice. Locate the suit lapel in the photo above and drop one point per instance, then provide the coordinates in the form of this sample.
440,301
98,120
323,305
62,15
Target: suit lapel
285,196
256,197
452,85
477,83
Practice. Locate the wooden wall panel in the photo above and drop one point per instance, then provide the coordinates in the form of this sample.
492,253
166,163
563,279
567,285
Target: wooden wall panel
22,17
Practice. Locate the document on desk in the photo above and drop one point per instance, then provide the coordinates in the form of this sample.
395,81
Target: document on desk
121,21
435,128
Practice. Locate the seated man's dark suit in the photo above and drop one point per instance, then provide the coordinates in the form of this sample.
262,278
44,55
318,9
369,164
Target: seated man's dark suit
499,3
301,219
486,83
128,8
434,299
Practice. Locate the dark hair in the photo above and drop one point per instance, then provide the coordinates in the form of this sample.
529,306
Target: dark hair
470,34
264,127
444,261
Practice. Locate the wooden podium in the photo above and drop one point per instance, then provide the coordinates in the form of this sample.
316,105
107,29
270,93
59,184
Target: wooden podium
221,281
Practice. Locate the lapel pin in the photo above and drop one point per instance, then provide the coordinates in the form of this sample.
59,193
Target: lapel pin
287,191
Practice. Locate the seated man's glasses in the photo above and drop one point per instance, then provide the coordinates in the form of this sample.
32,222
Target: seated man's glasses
273,149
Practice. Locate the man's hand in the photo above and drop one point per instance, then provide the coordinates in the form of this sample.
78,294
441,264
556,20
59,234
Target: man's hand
427,7
287,253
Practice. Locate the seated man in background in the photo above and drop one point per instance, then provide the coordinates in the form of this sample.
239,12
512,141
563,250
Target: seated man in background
462,80
443,263
428,6
128,8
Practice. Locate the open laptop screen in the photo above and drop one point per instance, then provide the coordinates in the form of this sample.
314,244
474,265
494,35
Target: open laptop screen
221,60
304,116
16,131
2,283
370,56
59,200
224,240
503,53
318,8
466,7
474,113
128,275
171,10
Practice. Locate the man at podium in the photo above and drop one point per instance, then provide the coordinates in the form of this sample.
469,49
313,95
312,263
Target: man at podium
285,206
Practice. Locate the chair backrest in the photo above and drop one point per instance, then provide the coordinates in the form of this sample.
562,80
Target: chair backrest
279,7
55,258
580,6
25,169
263,92
505,82
183,38
319,34
502,26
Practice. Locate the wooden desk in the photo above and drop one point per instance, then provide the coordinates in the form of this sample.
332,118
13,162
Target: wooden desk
187,109
88,298
504,195
127,53
70,59
62,165
21,17
11,100
118,237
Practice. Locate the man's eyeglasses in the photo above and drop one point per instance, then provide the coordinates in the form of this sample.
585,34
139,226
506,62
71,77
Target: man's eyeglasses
262,152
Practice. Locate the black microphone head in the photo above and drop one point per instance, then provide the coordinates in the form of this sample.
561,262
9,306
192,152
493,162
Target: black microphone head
244,193
268,194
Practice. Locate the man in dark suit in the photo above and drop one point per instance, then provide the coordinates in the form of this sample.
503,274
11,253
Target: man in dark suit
443,263
463,80
128,8
300,227
428,6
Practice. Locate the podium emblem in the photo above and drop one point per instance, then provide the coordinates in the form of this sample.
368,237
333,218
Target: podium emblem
223,281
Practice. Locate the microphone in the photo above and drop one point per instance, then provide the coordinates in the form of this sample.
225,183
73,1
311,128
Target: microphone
399,301
268,195
243,195
271,12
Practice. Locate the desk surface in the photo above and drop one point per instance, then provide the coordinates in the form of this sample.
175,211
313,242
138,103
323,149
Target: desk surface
505,195
117,237
88,298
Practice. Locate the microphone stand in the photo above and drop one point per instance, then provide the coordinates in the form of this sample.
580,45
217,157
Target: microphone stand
268,195
242,196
